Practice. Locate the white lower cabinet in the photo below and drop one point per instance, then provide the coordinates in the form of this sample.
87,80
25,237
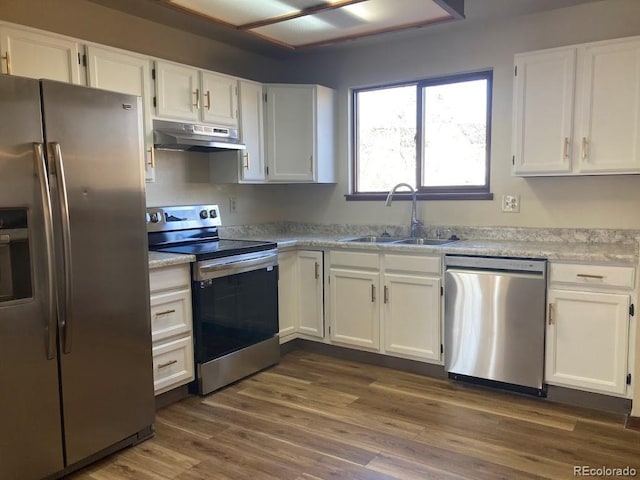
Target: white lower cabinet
301,295
412,316
588,328
171,327
355,308
388,303
288,295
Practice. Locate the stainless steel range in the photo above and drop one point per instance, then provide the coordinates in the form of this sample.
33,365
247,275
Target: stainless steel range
235,293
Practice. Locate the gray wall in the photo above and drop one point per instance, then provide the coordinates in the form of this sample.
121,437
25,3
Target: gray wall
605,202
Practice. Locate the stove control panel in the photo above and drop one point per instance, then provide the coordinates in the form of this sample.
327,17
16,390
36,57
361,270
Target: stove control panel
160,219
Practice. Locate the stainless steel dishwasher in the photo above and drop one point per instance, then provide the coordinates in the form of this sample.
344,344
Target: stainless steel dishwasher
494,322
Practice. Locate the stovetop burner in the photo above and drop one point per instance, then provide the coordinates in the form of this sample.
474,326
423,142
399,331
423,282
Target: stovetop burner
193,230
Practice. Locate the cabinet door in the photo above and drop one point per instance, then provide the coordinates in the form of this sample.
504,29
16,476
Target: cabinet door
288,293
543,112
310,304
291,123
412,316
36,55
609,136
178,92
113,70
251,131
355,315
587,340
219,99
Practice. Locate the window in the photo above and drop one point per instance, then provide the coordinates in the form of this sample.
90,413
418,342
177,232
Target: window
432,134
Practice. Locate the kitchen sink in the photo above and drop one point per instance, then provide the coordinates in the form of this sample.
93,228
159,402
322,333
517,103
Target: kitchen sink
399,240
373,239
425,241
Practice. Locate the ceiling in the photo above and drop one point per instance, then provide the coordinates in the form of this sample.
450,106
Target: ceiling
279,28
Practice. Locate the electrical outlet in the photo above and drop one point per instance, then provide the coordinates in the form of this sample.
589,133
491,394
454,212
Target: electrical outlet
233,204
511,203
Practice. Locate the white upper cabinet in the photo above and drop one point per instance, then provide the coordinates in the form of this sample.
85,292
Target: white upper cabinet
252,132
577,110
300,137
186,93
609,127
543,106
29,53
178,92
219,99
119,71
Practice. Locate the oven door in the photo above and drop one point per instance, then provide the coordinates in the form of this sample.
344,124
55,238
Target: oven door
235,311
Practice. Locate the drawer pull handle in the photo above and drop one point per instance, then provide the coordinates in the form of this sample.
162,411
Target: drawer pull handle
373,293
386,294
585,147
565,153
317,270
7,58
168,364
166,312
197,95
551,319
585,275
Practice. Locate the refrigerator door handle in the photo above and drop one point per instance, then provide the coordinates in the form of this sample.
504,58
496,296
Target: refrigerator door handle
66,246
43,180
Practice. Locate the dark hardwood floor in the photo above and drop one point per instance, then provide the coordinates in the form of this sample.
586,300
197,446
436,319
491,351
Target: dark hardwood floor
315,417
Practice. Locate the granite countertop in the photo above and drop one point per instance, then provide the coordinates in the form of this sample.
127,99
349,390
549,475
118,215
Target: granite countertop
598,252
624,253
161,259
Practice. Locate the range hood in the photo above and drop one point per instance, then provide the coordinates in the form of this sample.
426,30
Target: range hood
190,137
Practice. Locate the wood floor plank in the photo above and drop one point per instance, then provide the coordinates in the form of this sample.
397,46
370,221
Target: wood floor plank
314,417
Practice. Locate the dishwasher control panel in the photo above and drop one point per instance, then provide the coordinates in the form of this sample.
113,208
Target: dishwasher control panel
496,263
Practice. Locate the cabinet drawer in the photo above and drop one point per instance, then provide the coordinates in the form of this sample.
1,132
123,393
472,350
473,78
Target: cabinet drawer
412,263
594,275
355,259
174,277
172,364
170,314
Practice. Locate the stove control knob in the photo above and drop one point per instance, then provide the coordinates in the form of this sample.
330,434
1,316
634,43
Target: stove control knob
203,214
154,218
213,213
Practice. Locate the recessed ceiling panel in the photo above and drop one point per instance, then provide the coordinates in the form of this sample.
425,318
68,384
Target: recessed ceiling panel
303,23
239,12
359,19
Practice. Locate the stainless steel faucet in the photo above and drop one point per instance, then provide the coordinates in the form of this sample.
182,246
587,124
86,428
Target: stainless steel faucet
415,224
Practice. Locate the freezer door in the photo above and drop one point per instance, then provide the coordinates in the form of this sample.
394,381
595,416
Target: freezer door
95,152
30,432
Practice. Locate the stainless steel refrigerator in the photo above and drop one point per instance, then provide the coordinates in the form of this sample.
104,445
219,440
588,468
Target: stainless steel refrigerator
76,378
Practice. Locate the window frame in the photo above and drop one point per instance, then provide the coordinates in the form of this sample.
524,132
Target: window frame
449,192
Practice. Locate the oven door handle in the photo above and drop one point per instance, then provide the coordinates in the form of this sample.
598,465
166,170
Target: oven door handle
216,269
